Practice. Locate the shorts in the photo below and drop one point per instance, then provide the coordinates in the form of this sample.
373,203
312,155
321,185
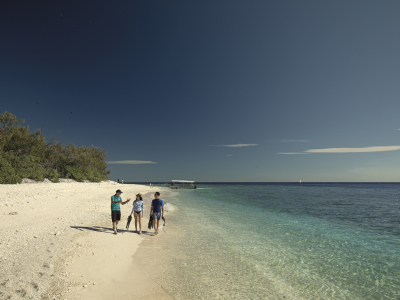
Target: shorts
116,215
156,215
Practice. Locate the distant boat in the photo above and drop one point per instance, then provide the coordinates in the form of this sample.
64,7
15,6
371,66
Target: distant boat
181,184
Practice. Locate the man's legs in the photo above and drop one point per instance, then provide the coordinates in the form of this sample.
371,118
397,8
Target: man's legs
115,224
115,217
156,222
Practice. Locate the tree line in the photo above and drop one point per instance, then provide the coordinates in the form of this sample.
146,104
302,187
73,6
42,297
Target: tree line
25,154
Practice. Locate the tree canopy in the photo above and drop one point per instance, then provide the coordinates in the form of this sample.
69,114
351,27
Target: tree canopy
25,154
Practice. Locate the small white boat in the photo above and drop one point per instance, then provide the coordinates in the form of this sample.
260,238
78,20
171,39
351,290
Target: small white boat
181,184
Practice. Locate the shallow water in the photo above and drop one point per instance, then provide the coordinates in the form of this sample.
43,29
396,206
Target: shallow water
280,241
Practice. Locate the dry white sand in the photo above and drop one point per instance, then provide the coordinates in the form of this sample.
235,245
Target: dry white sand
56,242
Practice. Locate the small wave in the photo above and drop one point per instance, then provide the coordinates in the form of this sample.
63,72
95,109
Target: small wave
169,207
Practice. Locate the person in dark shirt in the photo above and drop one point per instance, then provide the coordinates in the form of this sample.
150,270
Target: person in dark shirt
157,211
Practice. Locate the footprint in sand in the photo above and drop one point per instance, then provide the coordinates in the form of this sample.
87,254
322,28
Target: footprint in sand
21,292
48,266
35,285
41,274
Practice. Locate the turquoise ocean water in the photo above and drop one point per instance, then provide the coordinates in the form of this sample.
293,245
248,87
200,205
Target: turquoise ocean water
280,241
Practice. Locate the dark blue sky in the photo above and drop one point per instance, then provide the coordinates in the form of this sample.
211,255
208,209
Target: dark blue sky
162,81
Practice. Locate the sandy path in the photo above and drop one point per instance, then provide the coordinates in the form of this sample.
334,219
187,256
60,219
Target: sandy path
54,234
108,269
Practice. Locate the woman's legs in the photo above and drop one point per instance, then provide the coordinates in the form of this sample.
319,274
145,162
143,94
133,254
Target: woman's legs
140,221
135,221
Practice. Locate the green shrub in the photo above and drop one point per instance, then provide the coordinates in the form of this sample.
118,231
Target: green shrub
7,173
53,175
75,172
16,141
28,167
30,156
88,173
84,173
97,177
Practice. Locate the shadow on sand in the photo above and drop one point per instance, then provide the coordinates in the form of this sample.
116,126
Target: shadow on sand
106,230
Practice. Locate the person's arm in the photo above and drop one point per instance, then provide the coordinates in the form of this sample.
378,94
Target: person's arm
162,209
115,202
151,210
129,199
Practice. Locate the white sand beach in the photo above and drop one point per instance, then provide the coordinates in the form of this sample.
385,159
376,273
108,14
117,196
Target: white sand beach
56,242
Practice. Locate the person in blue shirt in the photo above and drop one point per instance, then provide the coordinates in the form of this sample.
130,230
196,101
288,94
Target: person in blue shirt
157,210
116,209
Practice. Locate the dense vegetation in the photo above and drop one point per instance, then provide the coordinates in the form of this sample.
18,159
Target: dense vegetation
25,154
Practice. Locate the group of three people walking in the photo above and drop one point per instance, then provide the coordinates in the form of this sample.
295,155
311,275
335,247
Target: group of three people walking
156,210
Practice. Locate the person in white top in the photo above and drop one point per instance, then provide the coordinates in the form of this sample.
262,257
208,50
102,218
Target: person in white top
137,211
